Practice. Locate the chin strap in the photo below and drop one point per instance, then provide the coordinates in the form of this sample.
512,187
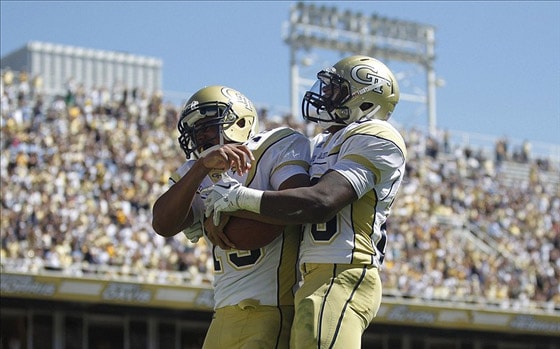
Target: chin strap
371,114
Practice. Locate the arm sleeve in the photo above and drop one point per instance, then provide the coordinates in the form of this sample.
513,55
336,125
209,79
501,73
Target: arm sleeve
364,161
293,159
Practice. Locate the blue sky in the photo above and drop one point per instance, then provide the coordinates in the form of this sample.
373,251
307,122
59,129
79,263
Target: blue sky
500,60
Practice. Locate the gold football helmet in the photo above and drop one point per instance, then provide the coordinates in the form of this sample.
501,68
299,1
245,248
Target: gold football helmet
356,88
216,106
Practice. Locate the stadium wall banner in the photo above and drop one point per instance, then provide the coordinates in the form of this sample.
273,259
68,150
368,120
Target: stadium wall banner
392,311
468,318
105,291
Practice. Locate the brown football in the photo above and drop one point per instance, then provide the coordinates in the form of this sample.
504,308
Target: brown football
248,234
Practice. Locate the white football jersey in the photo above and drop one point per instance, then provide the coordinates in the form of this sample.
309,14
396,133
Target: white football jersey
269,274
371,155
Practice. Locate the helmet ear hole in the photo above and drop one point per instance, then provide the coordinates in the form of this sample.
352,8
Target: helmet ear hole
366,105
241,123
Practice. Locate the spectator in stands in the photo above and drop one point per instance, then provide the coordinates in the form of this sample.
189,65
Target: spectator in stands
501,150
525,151
432,147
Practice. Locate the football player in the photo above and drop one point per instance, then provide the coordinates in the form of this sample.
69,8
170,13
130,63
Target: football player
253,289
357,168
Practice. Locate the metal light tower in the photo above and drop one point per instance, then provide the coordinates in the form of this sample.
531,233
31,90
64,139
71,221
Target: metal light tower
313,27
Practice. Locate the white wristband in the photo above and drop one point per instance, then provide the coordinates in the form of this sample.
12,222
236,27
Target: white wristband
250,199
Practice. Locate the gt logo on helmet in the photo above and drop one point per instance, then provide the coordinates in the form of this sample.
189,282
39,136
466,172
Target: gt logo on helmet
237,97
368,75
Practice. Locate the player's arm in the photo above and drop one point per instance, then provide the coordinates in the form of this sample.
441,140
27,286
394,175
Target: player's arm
172,210
315,204
296,181
310,204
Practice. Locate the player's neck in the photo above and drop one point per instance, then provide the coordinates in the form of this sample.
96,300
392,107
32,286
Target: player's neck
334,129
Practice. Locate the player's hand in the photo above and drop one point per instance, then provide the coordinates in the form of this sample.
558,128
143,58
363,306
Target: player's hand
228,156
221,197
215,233
194,232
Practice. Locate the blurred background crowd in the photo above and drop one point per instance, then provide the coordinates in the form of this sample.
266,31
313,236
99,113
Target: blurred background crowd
80,172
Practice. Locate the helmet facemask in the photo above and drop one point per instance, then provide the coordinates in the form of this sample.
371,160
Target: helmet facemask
324,103
197,119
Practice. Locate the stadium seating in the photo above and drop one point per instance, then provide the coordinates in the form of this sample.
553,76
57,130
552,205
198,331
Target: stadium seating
80,172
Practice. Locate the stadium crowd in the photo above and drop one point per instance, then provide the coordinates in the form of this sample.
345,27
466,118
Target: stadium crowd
80,172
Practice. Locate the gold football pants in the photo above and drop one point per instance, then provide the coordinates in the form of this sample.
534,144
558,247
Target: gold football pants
249,325
334,306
